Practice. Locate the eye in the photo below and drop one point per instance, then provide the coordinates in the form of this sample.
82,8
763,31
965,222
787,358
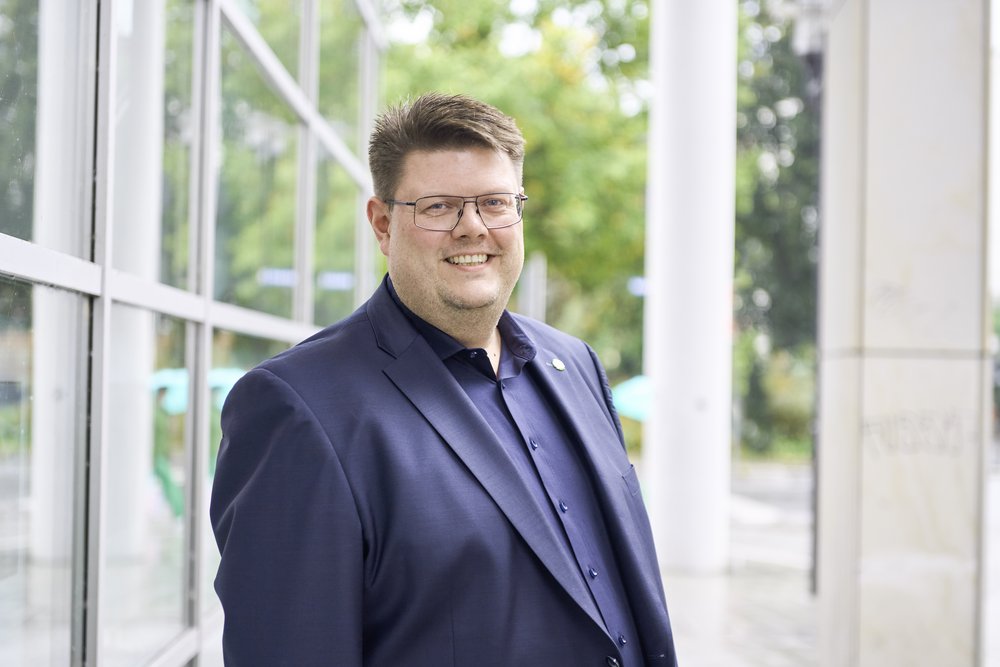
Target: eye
495,202
435,206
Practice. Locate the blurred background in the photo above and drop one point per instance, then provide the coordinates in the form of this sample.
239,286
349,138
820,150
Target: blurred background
181,196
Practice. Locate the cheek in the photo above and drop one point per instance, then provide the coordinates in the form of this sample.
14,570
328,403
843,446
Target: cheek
409,249
516,248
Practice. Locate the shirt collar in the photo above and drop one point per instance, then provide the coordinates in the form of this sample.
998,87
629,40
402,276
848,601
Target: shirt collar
514,337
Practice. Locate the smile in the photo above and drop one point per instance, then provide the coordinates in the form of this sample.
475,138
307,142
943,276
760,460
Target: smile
467,260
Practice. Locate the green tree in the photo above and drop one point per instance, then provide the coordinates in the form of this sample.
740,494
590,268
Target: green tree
776,229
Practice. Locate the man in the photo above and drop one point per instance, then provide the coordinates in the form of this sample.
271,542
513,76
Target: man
434,480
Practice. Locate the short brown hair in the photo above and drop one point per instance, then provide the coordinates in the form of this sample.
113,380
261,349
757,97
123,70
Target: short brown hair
436,121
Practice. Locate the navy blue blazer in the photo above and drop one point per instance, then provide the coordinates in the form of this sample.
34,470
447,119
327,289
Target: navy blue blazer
367,515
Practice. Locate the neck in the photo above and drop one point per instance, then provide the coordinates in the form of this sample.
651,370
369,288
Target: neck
473,329
478,335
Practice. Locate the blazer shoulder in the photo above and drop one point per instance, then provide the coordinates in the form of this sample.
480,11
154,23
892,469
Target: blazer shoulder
340,347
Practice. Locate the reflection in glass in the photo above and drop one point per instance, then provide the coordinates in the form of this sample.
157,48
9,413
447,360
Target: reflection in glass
146,486
278,22
41,430
336,213
153,140
256,198
18,103
232,355
340,33
41,190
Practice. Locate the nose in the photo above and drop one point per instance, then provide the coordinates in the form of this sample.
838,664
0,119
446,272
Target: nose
461,216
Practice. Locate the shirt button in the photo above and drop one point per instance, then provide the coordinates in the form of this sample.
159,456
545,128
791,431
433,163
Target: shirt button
611,662
621,640
593,573
534,445
472,355
563,506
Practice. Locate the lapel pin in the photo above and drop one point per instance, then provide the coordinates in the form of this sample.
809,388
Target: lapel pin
558,364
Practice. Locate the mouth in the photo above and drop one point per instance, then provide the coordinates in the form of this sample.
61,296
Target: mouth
468,260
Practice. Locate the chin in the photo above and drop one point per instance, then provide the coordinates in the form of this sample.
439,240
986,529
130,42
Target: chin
472,299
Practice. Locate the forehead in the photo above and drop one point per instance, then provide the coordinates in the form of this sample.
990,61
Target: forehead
461,171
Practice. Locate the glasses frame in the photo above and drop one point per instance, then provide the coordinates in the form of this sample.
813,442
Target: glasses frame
465,200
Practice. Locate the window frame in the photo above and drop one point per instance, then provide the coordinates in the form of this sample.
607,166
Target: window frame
94,80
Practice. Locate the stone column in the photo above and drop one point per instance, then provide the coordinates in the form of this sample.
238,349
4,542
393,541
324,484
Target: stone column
904,359
689,281
137,228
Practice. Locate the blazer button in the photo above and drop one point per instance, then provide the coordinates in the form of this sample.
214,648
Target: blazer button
612,662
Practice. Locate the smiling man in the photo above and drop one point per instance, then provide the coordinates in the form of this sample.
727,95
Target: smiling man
435,480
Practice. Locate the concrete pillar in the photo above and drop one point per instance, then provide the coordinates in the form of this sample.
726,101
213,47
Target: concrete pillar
532,288
55,432
904,359
137,211
689,281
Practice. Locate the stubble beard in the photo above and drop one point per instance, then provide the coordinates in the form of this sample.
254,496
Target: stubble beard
477,307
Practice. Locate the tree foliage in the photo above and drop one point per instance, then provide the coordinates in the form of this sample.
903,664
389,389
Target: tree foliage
776,215
777,222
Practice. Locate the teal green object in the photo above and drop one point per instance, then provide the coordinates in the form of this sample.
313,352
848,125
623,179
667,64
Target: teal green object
174,383
633,397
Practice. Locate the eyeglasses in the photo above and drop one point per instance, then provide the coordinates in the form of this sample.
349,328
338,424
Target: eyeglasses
442,213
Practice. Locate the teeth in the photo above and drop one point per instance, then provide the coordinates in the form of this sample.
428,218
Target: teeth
467,259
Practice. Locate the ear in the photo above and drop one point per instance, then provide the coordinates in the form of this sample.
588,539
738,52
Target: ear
379,218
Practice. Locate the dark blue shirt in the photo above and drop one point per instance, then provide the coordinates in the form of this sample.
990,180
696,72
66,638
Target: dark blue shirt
546,456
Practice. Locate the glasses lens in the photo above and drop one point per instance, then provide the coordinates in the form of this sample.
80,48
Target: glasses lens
499,209
442,213
439,213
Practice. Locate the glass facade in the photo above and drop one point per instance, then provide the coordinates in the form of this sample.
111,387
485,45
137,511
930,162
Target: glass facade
255,215
159,233
146,491
340,49
336,203
153,137
41,190
43,348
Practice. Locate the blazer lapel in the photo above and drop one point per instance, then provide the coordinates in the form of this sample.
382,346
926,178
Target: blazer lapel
627,531
445,405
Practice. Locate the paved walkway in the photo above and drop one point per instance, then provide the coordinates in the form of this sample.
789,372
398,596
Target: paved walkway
763,614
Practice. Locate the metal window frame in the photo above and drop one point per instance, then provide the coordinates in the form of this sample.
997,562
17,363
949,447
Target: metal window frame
104,286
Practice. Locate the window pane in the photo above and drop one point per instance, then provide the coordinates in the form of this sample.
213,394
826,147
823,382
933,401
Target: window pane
153,140
42,397
279,23
336,215
146,487
256,203
340,33
232,355
41,186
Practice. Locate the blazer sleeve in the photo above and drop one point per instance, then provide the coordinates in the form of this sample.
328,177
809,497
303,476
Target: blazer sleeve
291,574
